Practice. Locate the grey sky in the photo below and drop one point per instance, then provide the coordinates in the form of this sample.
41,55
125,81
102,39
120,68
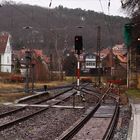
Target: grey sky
115,5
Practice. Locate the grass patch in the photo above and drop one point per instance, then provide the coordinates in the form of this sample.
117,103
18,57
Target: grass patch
51,84
8,96
11,97
14,86
133,93
11,86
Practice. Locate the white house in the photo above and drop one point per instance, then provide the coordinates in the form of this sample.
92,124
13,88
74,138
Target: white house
90,61
5,52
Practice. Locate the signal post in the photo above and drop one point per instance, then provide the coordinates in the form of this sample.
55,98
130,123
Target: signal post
78,50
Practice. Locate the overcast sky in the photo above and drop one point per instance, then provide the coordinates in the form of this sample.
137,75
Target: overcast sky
115,5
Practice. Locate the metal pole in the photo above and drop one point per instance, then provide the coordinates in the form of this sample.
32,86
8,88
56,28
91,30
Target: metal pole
27,80
51,66
128,66
98,52
78,74
28,60
59,63
33,78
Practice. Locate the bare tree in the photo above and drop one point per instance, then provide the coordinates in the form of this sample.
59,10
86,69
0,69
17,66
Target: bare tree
132,6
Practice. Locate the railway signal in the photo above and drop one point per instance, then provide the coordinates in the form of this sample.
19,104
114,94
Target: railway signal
78,44
78,49
128,34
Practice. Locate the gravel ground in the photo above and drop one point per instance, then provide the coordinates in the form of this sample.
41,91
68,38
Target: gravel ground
49,124
122,130
46,126
93,130
77,100
19,114
4,109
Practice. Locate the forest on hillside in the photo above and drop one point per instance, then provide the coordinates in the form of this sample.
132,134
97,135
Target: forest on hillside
43,28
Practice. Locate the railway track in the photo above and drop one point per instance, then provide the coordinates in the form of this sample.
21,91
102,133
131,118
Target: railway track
34,100
50,111
22,110
50,101
76,131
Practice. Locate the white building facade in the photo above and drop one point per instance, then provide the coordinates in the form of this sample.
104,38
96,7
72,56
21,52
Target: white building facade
5,53
90,61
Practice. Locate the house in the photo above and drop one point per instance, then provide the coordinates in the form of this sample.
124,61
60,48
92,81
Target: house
5,52
89,64
115,61
37,65
90,61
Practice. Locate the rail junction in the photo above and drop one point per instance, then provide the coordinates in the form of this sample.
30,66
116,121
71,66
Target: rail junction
62,114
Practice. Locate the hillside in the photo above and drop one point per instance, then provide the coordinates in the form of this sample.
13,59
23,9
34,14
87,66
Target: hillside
60,23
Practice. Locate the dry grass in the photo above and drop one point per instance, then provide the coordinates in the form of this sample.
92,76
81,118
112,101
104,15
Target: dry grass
9,87
133,93
11,97
51,84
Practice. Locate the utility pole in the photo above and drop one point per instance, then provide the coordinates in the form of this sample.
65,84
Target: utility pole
51,67
28,61
58,56
33,80
98,53
58,51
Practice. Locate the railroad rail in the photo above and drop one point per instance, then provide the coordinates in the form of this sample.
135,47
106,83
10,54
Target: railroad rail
29,98
45,107
73,130
9,124
109,132
65,101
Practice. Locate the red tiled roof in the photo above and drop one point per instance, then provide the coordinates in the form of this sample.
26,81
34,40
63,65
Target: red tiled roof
104,52
39,53
3,42
119,51
122,58
46,59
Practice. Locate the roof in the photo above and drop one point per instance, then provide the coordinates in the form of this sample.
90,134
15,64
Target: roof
122,58
118,50
37,53
90,54
104,52
3,42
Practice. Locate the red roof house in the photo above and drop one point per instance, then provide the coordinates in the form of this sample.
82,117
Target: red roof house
38,60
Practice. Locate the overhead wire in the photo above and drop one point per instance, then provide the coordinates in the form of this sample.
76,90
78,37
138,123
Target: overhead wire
108,22
50,4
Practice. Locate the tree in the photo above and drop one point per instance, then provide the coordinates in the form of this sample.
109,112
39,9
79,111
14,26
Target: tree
16,16
17,66
132,7
69,65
